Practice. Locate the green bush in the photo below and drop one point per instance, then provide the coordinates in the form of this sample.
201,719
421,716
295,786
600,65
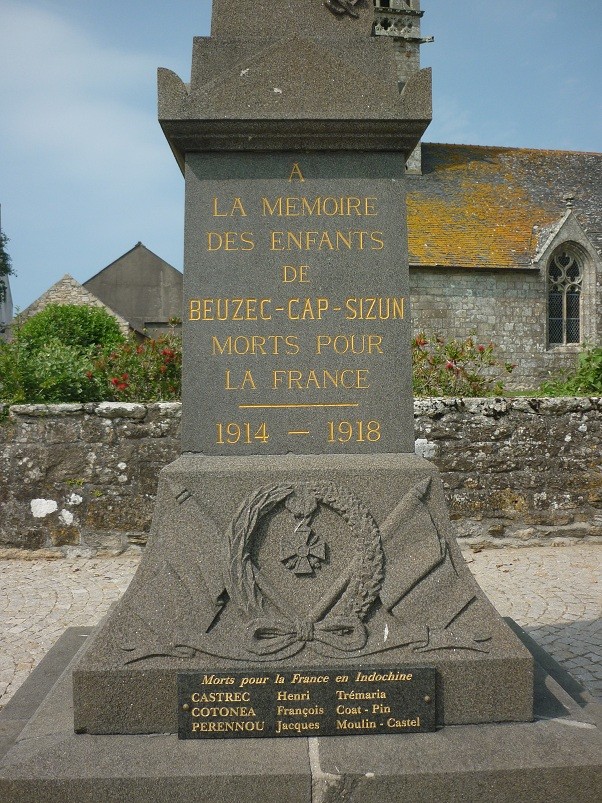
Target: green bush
73,325
586,378
11,369
51,374
456,367
58,373
64,355
52,354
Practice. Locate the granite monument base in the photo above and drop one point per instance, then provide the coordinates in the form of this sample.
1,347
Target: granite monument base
288,563
556,757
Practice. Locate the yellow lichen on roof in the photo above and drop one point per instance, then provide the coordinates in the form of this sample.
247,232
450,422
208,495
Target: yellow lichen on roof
472,211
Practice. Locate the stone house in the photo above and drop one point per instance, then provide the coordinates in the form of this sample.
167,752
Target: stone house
69,291
141,290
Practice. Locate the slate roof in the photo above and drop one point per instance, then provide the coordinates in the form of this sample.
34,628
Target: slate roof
487,207
140,286
69,291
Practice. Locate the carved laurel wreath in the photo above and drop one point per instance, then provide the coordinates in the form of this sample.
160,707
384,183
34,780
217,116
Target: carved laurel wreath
354,592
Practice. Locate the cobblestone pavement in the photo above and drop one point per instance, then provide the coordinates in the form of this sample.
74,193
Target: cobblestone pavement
554,593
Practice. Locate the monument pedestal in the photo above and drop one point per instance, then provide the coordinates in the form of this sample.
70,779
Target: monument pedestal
299,535
556,757
295,562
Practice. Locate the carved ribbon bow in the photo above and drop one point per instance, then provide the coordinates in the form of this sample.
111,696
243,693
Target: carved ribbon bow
338,634
342,7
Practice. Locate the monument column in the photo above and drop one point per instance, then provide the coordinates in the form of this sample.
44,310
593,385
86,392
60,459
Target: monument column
298,536
293,136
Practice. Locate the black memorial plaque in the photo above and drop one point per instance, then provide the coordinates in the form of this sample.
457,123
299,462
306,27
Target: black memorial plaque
306,702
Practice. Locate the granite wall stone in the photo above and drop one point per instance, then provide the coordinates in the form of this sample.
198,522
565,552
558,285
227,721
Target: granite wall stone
81,479
502,306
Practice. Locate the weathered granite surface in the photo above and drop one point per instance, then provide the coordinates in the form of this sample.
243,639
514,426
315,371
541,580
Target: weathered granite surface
262,103
293,358
300,561
521,472
555,758
82,478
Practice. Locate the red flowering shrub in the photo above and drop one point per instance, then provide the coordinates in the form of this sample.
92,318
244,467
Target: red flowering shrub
144,372
456,367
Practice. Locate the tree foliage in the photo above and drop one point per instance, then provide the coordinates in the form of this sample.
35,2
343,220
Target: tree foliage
5,265
73,325
53,373
51,354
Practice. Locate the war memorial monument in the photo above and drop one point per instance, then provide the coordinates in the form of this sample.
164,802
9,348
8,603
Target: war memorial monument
302,626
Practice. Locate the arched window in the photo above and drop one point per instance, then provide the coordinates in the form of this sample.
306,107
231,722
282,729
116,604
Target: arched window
565,278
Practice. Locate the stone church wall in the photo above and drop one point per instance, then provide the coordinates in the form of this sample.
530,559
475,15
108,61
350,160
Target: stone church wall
81,479
506,307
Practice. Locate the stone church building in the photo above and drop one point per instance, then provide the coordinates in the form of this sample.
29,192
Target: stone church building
505,243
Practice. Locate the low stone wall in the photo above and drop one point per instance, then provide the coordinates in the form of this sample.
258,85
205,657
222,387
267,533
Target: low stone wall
78,479
517,472
81,479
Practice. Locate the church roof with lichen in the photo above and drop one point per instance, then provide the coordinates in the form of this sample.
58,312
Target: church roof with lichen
489,207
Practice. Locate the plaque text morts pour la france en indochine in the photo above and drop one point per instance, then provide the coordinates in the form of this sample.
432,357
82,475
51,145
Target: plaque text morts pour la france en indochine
306,702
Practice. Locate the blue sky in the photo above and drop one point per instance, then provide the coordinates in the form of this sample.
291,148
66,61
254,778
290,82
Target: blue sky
85,171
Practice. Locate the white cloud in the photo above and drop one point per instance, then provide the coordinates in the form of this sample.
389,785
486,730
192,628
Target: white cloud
71,101
86,171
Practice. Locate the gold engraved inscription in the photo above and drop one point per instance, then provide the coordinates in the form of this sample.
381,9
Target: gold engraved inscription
299,703
295,273
297,308
230,241
257,345
296,173
228,210
319,206
326,240
374,308
208,726
349,344
329,335
321,379
230,309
